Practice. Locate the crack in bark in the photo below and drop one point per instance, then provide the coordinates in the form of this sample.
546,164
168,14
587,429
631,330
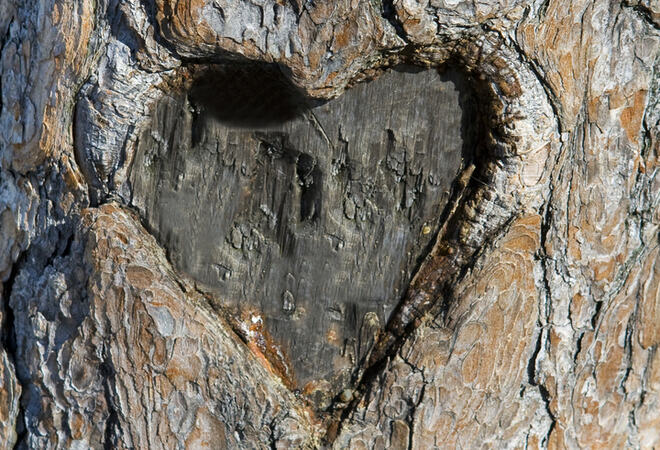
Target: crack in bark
543,9
272,440
112,425
543,391
411,414
8,340
531,365
544,313
8,337
388,12
645,13
545,396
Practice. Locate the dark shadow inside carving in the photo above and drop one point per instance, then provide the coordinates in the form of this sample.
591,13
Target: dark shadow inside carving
314,215
248,95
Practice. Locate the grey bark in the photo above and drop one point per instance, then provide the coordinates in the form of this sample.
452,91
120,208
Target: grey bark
193,193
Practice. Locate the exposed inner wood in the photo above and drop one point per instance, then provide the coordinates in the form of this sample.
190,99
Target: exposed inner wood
313,225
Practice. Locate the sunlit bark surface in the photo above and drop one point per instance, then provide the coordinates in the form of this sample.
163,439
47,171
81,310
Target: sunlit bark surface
431,224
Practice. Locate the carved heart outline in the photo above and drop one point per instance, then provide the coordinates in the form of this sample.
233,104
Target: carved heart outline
512,172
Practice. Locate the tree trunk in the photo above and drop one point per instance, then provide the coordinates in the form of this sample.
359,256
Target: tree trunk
329,224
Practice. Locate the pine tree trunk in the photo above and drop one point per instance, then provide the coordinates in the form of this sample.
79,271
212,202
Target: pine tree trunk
329,224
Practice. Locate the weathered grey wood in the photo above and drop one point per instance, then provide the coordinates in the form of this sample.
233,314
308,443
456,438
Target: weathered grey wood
314,223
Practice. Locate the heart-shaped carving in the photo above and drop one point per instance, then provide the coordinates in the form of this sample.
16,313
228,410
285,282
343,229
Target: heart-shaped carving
312,220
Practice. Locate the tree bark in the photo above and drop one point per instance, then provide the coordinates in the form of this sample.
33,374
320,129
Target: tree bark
215,233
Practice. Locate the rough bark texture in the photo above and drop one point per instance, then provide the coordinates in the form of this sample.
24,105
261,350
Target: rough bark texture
530,319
